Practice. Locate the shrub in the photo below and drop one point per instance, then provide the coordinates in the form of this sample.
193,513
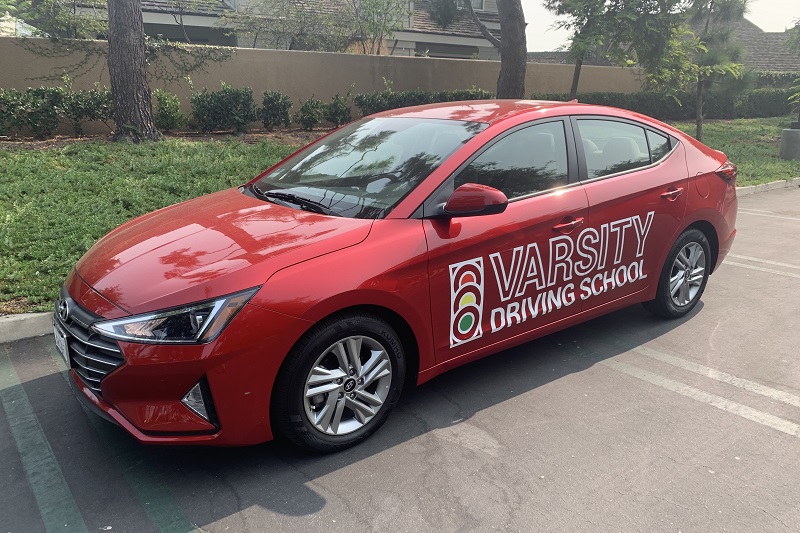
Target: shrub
391,99
226,109
463,94
775,80
7,110
78,106
39,110
338,111
101,104
656,105
167,114
716,104
310,113
764,103
275,110
369,103
36,109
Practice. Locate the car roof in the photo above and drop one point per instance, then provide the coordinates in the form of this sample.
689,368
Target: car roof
494,111
488,111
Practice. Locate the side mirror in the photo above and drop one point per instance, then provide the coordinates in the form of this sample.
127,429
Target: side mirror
472,199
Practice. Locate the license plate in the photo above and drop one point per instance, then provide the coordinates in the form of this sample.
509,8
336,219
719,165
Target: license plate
61,343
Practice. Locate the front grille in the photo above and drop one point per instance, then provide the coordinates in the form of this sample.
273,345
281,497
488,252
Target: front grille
91,355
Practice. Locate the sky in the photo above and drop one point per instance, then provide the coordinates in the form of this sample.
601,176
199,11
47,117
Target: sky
769,15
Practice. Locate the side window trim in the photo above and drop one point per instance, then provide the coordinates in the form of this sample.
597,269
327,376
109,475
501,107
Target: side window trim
582,169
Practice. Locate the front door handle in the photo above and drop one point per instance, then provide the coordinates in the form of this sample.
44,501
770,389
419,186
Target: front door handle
566,227
672,194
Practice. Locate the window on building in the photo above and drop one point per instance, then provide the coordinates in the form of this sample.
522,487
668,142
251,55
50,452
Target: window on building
477,5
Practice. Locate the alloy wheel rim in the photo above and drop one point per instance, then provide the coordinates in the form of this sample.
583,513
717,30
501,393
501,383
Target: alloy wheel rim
688,272
347,385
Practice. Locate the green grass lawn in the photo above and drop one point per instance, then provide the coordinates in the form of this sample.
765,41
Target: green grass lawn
752,144
55,203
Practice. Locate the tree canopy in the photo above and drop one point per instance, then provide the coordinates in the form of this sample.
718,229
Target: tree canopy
289,25
62,19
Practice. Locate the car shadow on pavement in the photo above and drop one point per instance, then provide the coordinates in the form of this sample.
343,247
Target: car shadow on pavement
211,484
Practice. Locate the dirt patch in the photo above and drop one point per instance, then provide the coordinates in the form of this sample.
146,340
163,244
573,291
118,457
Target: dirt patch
15,305
59,141
288,136
296,137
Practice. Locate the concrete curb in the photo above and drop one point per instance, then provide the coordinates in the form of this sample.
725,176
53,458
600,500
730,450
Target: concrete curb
26,325
763,187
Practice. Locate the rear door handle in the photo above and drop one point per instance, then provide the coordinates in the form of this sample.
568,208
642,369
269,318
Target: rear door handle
566,227
672,194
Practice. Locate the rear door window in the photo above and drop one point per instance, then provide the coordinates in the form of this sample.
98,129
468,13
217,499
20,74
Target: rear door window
611,147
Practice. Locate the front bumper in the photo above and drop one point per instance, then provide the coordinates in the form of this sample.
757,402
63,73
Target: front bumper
143,393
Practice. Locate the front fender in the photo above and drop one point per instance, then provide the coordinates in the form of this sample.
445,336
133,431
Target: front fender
388,270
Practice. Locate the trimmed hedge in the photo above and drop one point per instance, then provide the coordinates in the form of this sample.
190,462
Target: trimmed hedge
760,103
310,113
228,109
757,103
369,103
275,109
337,112
167,111
39,110
775,80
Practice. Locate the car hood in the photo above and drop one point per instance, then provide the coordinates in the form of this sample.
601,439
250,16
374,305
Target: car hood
208,247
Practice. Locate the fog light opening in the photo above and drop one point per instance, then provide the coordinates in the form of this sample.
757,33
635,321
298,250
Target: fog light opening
198,399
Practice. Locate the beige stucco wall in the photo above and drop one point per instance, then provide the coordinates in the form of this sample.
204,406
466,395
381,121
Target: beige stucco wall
302,74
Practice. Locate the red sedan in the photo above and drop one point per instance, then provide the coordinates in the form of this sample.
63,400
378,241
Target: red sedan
391,250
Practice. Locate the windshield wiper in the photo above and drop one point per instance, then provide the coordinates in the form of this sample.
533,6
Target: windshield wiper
302,201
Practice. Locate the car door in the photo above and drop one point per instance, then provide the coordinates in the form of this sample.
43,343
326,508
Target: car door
498,276
636,181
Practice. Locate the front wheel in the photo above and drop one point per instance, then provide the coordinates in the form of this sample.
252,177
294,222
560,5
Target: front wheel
684,276
339,383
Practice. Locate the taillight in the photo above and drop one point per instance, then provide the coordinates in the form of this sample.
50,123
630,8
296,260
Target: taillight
727,171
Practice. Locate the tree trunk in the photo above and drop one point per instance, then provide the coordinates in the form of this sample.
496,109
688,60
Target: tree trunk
133,108
513,50
699,112
576,76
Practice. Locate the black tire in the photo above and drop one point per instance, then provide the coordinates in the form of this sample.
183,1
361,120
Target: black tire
664,304
317,350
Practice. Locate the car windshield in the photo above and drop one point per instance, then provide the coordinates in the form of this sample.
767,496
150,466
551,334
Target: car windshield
366,168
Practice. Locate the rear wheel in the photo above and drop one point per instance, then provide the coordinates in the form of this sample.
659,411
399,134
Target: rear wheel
684,276
339,383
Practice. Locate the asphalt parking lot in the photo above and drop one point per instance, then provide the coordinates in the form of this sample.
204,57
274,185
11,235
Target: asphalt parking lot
625,423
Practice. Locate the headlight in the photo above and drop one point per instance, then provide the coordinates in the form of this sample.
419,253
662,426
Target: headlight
195,323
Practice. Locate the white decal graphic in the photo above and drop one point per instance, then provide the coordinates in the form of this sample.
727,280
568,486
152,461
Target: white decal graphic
466,301
577,269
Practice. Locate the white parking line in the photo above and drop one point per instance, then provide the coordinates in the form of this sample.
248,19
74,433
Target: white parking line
724,377
746,212
760,417
54,499
760,269
765,261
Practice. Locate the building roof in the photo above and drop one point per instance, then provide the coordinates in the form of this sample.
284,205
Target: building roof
421,22
212,8
463,26
763,50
